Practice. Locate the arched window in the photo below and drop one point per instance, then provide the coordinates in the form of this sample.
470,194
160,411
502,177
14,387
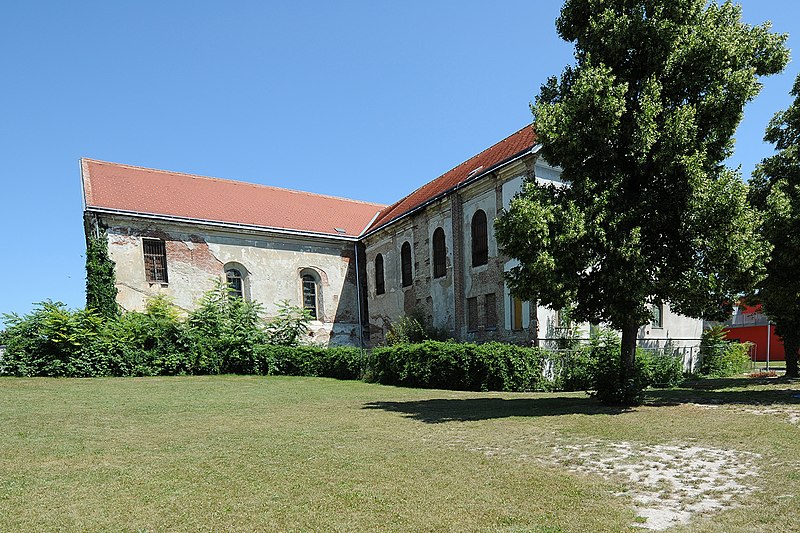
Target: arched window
310,294
480,239
380,286
405,264
439,254
235,281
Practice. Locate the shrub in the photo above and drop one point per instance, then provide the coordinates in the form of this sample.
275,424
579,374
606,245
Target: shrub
289,325
660,368
54,341
721,358
413,329
612,384
337,362
459,366
221,333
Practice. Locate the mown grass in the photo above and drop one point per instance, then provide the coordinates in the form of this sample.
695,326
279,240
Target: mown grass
280,453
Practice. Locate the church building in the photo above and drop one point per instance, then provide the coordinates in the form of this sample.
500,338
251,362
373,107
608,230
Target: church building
358,267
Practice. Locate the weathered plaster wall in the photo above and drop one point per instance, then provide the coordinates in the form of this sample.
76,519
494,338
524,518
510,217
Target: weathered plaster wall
272,264
443,301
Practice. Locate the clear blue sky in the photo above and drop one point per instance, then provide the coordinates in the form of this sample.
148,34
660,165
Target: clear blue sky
364,99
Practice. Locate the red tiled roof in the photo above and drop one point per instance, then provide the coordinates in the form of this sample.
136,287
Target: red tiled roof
509,147
173,194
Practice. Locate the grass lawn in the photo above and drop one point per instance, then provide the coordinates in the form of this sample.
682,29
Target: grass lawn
279,453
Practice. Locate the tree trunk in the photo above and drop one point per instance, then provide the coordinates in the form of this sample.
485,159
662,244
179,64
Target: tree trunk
791,345
629,333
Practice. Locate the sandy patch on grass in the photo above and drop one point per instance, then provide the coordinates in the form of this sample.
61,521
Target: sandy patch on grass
669,485
790,413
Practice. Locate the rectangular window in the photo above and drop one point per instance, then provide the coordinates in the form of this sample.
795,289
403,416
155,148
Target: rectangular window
155,260
516,313
472,314
490,311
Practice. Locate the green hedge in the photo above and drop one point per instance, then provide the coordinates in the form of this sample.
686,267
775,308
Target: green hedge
477,367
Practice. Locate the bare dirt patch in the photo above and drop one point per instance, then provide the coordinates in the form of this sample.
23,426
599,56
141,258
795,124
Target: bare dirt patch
669,484
789,413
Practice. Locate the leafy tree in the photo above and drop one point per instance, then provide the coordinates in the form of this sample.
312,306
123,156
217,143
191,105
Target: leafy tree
101,289
640,126
775,189
289,325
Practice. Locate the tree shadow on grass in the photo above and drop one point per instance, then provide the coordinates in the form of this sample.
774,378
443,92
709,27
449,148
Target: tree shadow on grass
729,391
440,410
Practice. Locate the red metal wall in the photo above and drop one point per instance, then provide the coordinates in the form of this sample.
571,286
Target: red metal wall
758,335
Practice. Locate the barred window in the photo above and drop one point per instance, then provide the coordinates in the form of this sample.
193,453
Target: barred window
235,282
380,285
490,311
480,239
155,260
472,314
310,294
405,264
439,254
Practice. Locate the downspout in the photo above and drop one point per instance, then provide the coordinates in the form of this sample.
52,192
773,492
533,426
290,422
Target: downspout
358,298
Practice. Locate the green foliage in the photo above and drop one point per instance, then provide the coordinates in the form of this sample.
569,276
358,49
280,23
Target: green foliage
337,362
478,367
414,328
289,325
775,190
720,358
54,341
660,368
222,331
612,383
664,83
225,334
101,289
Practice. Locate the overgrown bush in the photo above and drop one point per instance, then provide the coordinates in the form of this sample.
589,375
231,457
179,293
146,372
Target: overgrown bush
414,328
54,341
612,384
721,358
660,368
289,325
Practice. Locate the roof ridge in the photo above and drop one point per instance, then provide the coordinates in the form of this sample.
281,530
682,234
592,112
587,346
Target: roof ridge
479,154
388,209
226,180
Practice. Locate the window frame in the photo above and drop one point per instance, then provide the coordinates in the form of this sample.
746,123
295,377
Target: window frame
406,268
439,255
657,322
380,275
230,280
154,252
479,231
309,280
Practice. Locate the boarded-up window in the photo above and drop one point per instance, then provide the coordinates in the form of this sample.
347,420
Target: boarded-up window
516,313
405,264
490,311
472,314
310,294
155,260
480,239
439,254
380,285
